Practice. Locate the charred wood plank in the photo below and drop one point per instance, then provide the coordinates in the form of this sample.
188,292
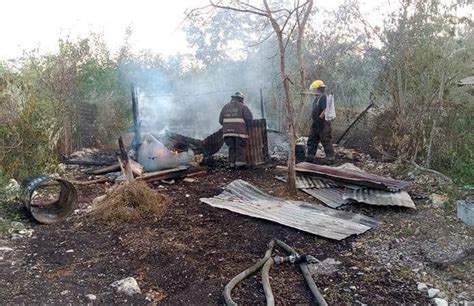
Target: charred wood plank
124,162
112,168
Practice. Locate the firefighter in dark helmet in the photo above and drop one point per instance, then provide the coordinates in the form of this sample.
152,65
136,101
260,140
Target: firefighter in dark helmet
233,118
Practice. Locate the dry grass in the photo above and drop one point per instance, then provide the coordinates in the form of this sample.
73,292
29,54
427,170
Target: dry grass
131,202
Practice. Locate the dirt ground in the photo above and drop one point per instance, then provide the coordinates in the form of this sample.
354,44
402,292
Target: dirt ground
188,255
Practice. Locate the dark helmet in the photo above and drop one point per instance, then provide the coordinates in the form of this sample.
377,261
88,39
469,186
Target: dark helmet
238,95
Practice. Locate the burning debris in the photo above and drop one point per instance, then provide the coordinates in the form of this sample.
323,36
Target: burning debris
154,156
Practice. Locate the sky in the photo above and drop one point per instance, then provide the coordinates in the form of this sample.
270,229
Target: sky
30,24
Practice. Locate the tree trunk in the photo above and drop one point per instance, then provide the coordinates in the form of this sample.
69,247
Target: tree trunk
429,154
290,118
300,56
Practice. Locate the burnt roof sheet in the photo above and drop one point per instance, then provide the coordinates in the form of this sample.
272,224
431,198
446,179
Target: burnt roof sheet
244,198
308,181
380,197
352,176
332,197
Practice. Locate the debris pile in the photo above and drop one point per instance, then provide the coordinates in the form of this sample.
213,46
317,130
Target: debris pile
337,186
130,201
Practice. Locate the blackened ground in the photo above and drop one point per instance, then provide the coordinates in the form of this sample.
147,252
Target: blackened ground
188,255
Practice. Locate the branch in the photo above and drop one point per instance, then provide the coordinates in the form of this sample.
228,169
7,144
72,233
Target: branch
445,178
261,41
289,36
256,12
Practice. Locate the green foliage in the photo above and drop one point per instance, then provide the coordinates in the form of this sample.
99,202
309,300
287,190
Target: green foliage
424,56
25,133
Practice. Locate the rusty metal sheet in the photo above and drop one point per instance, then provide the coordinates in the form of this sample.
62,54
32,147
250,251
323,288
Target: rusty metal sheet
380,197
244,198
352,176
308,181
213,143
257,146
332,197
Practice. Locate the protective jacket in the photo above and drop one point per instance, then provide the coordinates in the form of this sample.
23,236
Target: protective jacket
319,105
233,119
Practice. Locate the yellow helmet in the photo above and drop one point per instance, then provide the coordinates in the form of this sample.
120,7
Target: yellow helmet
316,84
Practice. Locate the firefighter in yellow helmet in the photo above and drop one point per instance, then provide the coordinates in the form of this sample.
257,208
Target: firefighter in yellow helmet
320,127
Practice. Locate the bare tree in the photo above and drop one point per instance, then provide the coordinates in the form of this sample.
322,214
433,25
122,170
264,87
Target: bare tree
284,22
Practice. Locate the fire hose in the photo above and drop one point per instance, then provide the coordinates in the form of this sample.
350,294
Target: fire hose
265,265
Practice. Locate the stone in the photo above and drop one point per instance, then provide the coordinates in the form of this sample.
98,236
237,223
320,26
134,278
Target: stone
70,251
442,295
65,292
128,286
26,232
5,249
12,189
91,297
353,288
16,226
433,292
16,236
465,212
422,287
438,200
440,302
463,295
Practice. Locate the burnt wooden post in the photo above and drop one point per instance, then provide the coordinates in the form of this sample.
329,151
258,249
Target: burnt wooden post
262,105
136,119
266,155
124,162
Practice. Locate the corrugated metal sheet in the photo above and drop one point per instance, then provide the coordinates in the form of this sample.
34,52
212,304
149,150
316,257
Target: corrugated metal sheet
352,176
308,181
244,198
332,197
257,146
467,81
380,197
213,143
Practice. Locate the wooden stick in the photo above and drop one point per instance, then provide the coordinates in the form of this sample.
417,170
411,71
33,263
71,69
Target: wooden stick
354,122
124,162
163,175
104,170
136,167
196,174
97,181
